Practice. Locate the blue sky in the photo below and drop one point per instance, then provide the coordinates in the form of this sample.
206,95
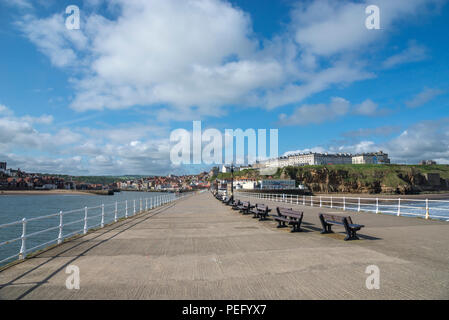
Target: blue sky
103,99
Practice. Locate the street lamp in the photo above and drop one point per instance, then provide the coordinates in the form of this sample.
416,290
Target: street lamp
232,181
216,186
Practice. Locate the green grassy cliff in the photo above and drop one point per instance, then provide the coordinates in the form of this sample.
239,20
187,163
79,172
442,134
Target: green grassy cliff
400,179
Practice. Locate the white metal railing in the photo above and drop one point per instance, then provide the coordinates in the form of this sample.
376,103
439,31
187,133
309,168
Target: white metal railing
425,208
108,213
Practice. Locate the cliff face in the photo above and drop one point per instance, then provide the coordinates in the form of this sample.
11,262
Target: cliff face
357,179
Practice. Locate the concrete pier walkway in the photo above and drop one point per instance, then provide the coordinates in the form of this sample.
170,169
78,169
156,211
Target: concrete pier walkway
198,248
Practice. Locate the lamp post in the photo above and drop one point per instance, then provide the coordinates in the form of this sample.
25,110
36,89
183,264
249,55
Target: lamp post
216,186
232,181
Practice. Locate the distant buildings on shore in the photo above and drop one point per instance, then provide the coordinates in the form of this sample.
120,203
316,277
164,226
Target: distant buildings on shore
313,158
19,180
259,184
167,183
427,162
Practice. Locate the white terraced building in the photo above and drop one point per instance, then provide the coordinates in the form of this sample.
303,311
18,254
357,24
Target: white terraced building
371,158
312,158
308,159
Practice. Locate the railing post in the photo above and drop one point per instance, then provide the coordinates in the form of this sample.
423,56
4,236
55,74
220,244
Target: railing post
359,206
399,207
146,204
151,203
377,205
102,215
303,200
427,209
134,206
332,202
126,208
60,228
115,212
321,204
344,203
23,248
297,199
141,205
311,201
85,220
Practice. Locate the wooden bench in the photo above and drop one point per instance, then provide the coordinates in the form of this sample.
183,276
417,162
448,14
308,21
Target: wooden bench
260,211
245,207
228,201
236,204
327,220
289,216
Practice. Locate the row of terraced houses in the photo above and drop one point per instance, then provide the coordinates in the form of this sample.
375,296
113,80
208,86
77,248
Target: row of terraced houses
313,158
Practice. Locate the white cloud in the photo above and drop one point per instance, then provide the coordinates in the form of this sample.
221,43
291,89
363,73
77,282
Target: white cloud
145,58
42,164
366,132
54,39
16,132
423,97
338,107
21,4
127,148
210,57
423,140
315,82
193,58
367,108
316,113
44,119
4,110
326,27
413,53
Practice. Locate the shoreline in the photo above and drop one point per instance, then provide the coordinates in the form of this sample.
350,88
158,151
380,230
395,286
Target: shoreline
44,192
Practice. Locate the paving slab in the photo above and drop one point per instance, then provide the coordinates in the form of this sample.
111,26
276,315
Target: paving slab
197,248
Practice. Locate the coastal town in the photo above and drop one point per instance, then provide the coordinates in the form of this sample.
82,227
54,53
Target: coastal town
16,179
259,175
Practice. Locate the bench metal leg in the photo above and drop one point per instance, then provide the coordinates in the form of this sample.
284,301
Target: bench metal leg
327,228
281,224
296,228
351,235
